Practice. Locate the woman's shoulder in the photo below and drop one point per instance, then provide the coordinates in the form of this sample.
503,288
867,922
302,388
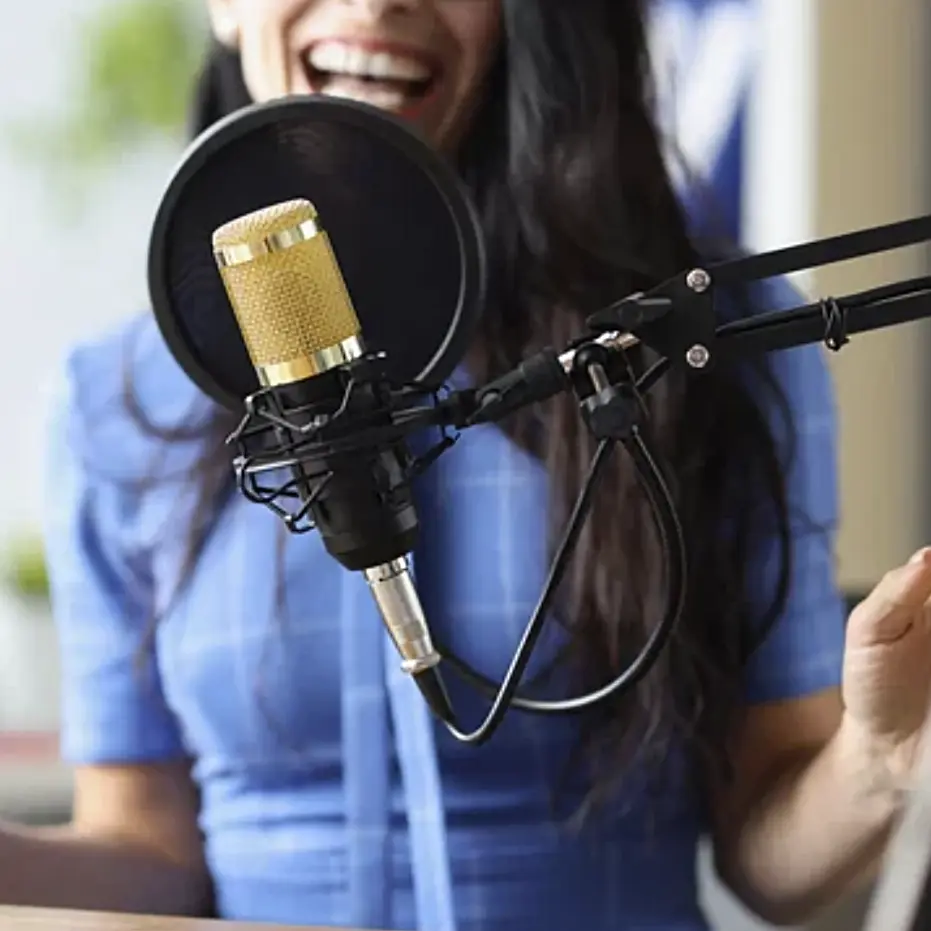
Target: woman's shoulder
121,390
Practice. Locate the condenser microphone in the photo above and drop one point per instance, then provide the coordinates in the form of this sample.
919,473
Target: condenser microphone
255,309
303,336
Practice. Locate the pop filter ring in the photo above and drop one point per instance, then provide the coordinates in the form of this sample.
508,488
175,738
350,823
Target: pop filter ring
383,128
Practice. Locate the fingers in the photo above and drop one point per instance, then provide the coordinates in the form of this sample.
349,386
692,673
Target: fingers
894,605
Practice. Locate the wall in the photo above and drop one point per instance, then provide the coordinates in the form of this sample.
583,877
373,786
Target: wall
840,141
58,282
873,166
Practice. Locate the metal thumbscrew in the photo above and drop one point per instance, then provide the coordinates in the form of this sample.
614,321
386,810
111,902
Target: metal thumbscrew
698,357
698,280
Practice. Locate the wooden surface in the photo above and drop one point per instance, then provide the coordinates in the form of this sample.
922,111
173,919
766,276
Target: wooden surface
40,919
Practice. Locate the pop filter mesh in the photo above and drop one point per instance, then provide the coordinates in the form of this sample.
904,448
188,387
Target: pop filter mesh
404,235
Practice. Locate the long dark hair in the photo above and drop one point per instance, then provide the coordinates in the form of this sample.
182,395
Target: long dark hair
566,167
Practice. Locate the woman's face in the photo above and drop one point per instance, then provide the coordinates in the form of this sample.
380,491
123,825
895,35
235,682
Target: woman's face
424,60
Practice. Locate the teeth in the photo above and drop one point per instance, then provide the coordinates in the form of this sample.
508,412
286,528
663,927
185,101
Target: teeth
383,98
340,58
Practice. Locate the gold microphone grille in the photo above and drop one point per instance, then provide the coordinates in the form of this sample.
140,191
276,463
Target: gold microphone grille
287,291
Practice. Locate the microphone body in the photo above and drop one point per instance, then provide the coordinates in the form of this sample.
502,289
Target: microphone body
304,339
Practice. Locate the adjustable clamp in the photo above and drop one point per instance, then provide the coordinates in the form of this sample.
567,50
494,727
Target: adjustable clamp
676,319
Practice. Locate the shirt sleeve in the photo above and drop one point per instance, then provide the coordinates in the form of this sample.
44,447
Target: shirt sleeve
803,652
113,709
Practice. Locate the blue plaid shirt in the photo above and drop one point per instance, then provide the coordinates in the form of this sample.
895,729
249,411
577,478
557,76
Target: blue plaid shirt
328,794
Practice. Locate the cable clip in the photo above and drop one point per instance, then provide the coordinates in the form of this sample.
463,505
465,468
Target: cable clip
835,324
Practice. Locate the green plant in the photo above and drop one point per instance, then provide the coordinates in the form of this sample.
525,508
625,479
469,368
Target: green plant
137,60
24,568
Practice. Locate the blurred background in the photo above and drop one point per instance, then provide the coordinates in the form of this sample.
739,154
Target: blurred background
810,118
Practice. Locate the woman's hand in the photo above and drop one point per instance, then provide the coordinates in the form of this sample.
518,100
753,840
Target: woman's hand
820,782
887,669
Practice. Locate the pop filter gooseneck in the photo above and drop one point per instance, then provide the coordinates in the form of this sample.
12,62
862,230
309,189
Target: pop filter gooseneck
404,231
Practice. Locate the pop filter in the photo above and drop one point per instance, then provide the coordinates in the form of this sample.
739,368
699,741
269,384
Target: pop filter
403,229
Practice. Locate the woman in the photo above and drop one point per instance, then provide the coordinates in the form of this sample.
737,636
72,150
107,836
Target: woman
269,762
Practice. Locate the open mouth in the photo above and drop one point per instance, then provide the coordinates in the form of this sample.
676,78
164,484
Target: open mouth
389,79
